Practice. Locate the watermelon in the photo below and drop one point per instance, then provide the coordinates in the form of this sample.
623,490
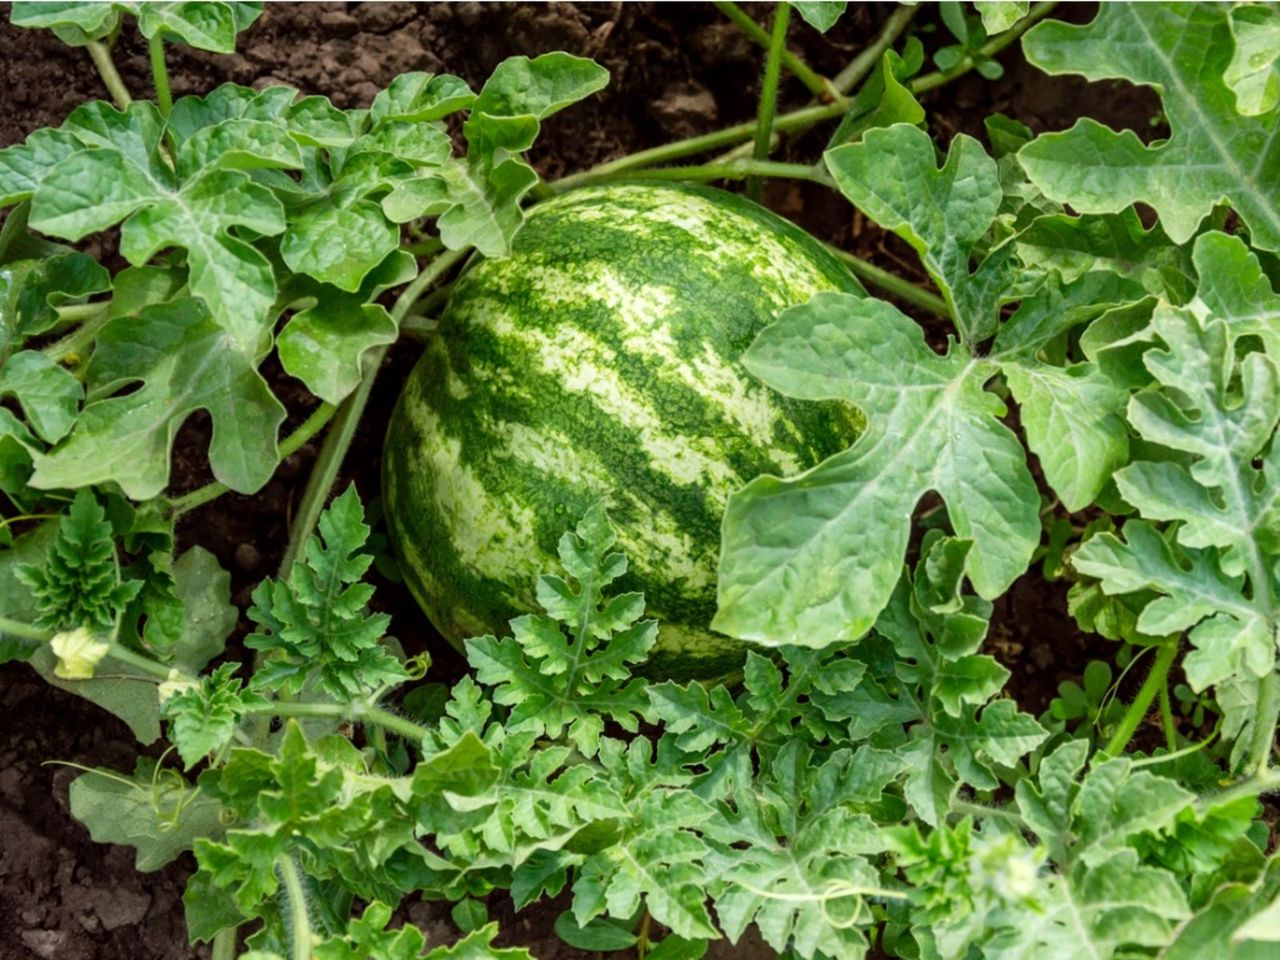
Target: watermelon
600,360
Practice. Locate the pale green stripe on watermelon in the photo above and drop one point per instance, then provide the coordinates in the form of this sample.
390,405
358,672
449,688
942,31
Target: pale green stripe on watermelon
601,360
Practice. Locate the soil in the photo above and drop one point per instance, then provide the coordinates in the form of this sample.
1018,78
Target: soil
677,70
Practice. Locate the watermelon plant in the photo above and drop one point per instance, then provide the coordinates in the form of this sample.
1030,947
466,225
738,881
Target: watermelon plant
718,515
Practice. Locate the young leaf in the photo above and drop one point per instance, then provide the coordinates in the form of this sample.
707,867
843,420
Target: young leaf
48,394
1220,411
187,362
205,26
821,14
1212,151
567,672
323,344
79,583
202,718
477,201
315,624
74,23
367,938
942,213
999,15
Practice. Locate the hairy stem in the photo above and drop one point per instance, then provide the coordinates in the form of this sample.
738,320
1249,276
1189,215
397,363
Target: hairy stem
769,96
1142,702
353,713
818,85
224,945
982,810
299,917
338,441
290,445
78,340
893,284
1166,718
100,53
160,74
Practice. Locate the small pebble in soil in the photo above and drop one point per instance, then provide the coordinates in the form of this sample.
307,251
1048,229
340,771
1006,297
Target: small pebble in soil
248,558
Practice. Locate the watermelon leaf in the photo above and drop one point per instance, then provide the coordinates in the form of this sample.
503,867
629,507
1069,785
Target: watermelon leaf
314,625
1215,407
812,560
186,362
1212,152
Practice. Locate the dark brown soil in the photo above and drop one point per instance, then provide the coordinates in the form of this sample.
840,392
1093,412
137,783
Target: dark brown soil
677,70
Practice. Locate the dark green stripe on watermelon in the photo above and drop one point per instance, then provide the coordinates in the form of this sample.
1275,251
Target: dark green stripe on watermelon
601,360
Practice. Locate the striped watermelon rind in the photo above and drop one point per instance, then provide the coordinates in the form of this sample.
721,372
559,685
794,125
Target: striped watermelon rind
600,360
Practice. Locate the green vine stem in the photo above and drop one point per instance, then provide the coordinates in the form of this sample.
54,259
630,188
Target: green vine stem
290,445
299,917
1156,679
1166,719
160,74
818,85
893,284
938,78
340,436
769,97
736,170
865,62
704,143
100,53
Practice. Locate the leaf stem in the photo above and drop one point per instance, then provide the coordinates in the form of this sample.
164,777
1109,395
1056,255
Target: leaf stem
288,446
224,945
339,438
818,85
1264,727
299,918
24,631
160,74
14,225
100,53
1142,702
893,284
769,96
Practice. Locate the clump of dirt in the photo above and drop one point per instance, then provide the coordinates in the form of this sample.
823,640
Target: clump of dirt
676,70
